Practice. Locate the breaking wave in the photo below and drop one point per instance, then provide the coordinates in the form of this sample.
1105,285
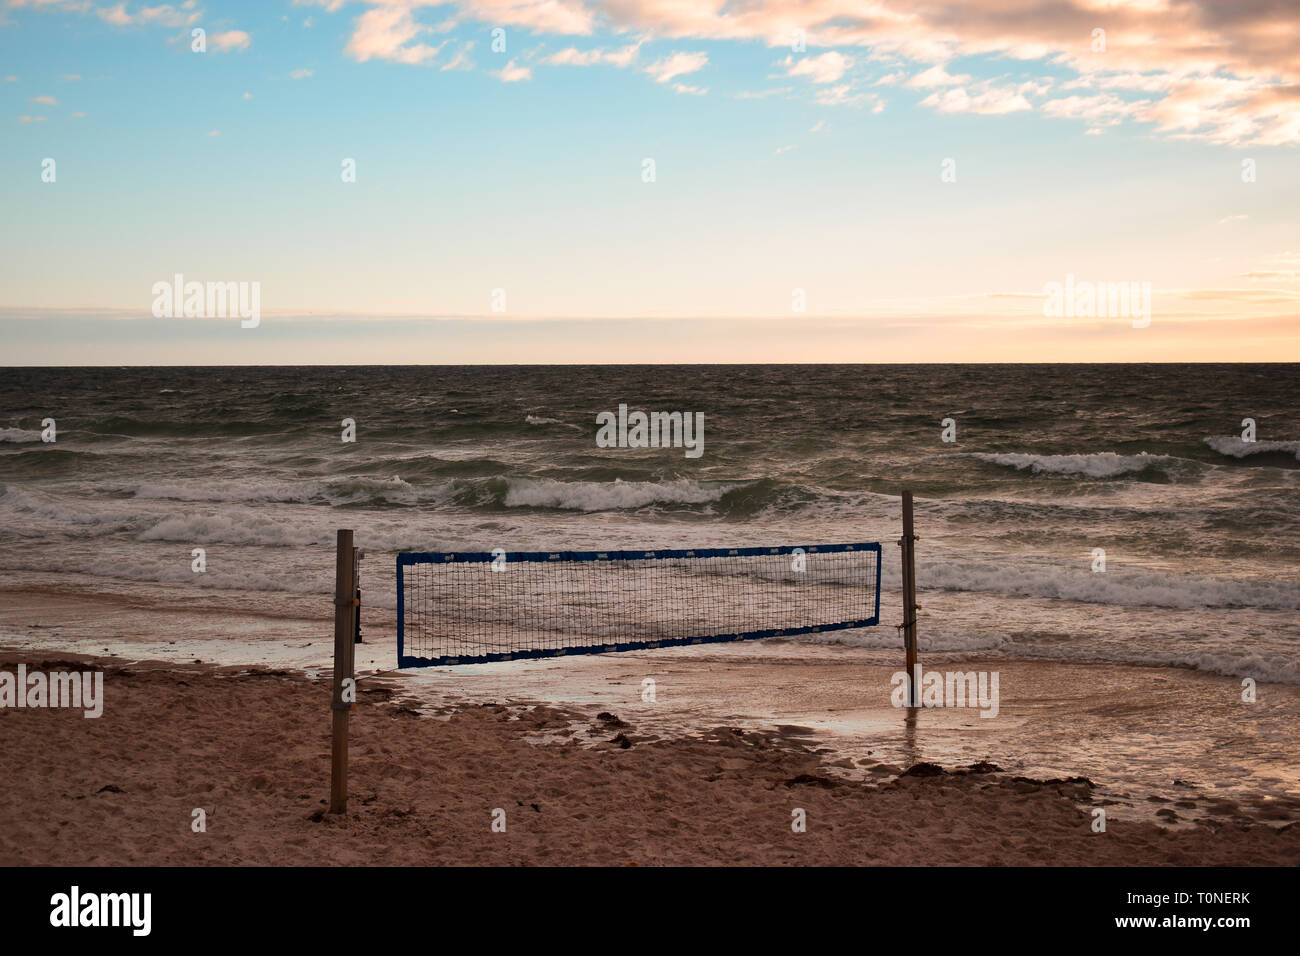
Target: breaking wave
1106,464
1234,447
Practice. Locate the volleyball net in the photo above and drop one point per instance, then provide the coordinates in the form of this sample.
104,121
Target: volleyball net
462,608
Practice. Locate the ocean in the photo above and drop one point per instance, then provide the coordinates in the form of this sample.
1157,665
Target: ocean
1049,466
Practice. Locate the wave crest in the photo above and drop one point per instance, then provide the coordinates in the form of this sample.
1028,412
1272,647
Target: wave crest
1234,447
18,436
609,496
1104,464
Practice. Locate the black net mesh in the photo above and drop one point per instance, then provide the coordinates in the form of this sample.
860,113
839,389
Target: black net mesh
461,608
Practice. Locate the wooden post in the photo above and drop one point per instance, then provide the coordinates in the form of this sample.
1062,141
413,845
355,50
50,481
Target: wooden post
910,607
344,602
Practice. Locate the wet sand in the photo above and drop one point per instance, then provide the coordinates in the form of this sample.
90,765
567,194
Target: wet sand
588,772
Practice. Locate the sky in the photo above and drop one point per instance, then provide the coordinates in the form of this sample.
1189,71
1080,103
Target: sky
517,181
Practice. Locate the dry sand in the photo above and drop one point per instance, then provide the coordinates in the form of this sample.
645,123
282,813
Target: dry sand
429,768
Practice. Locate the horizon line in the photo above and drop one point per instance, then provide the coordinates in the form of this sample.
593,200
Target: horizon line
620,364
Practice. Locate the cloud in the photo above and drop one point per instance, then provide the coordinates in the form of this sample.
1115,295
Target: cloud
846,95
70,77
988,101
45,100
116,15
1222,110
826,68
563,17
230,40
389,33
461,60
936,76
330,5
690,90
1143,82
510,73
301,74
1226,110
571,56
1284,267
388,28
31,119
625,56
836,95
1103,109
1213,71
162,15
677,64
1238,218
764,94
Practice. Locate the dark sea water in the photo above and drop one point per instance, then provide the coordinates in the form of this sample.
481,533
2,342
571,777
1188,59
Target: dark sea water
1200,529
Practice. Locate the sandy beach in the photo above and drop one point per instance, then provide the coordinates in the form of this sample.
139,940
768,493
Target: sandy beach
696,777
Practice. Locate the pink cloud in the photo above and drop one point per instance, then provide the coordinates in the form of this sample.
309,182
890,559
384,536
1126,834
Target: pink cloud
677,64
622,57
826,68
389,33
990,100
230,40
936,76
1223,71
510,73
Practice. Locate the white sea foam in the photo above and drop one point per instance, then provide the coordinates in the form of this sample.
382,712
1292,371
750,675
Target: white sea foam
1127,587
36,513
234,491
172,567
605,496
1236,448
18,436
172,517
326,491
543,420
1106,464
236,528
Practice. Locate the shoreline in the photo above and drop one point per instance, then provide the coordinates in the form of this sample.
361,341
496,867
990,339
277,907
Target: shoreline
96,622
